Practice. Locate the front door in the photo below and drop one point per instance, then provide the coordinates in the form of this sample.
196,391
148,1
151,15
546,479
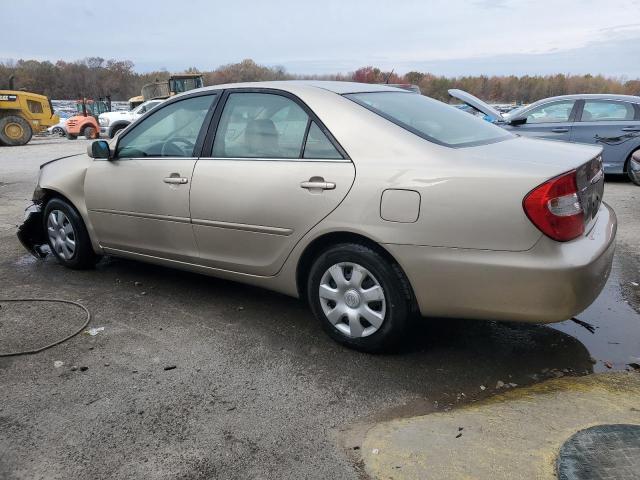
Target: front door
613,124
550,121
274,172
139,201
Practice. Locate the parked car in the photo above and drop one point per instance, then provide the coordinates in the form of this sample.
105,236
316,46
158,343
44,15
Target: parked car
368,201
59,129
112,122
612,121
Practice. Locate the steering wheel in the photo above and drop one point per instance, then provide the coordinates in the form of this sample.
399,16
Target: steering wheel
177,147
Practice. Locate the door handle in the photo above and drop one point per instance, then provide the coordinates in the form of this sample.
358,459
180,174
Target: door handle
176,180
631,129
560,130
318,185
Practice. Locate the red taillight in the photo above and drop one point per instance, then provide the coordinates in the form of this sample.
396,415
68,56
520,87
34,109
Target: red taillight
555,208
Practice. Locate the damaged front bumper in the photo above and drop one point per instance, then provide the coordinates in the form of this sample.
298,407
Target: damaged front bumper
31,232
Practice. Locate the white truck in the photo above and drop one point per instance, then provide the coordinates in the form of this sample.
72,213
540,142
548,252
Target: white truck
112,122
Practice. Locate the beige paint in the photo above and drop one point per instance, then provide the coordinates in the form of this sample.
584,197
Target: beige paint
472,251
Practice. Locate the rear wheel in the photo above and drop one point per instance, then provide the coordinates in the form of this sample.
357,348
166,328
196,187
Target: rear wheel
362,300
15,131
67,235
90,132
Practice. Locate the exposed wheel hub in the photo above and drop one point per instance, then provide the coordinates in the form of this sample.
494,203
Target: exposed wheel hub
13,131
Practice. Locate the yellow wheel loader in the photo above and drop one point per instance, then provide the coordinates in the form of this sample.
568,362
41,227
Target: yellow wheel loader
22,114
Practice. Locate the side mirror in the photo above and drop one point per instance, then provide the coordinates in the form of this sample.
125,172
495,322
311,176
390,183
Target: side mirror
99,149
518,121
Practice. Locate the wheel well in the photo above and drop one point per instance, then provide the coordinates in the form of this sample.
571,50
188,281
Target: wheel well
51,194
328,240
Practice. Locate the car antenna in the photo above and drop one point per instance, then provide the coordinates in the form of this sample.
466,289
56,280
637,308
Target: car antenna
389,76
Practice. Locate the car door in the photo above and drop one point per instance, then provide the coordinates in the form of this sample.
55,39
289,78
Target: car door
613,124
273,171
550,121
139,200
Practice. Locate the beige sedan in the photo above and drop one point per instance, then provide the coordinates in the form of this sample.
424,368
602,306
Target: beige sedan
372,203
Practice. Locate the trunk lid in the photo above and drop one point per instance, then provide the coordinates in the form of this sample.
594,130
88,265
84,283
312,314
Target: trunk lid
474,102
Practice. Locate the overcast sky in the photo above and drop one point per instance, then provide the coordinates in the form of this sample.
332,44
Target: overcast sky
450,37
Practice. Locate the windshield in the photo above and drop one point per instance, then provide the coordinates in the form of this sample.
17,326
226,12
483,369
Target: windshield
430,119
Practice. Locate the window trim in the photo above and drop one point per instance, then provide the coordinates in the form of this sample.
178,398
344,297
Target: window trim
206,151
197,148
607,100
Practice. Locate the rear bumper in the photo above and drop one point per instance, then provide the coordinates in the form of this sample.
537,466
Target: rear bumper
551,282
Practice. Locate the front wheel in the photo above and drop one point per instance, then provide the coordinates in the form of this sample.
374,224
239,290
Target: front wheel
67,235
633,167
15,131
362,299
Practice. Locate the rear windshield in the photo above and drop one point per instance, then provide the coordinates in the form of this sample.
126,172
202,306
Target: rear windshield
430,119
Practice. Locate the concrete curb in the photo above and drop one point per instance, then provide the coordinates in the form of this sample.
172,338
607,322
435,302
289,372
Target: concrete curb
510,436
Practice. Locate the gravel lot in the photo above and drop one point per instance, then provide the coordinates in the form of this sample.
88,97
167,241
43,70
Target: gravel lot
258,391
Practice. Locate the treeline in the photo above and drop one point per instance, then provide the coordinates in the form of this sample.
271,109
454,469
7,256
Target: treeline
97,77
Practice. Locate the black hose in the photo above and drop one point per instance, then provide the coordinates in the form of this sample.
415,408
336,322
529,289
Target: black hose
57,342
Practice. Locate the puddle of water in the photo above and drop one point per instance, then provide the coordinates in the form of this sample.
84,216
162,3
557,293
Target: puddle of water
617,328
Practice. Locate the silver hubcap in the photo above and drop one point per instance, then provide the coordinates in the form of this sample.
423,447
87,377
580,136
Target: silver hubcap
61,234
352,299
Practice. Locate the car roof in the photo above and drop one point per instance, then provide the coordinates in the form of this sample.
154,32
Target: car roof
592,96
330,85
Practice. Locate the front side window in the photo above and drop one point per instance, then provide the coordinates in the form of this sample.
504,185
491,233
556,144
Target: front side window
260,125
430,119
595,111
551,112
171,131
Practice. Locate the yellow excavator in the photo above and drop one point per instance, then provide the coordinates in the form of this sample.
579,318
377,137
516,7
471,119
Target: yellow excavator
22,114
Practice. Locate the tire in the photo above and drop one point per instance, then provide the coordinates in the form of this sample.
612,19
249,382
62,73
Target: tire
67,235
58,131
636,179
15,131
70,136
89,132
344,318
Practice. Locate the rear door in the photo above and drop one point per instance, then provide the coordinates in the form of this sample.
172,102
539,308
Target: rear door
613,124
550,121
139,201
271,173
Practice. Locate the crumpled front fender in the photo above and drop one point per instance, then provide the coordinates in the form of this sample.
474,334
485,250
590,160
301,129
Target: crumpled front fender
31,233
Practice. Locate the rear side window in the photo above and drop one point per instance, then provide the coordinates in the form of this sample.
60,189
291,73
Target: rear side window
595,111
260,125
34,107
430,119
318,145
551,112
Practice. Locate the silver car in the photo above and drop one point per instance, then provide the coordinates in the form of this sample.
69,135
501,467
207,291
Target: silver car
370,202
612,121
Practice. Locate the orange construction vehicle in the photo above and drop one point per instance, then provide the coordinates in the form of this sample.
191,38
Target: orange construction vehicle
85,123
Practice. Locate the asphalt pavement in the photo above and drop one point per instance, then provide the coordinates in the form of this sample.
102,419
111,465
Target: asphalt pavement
194,377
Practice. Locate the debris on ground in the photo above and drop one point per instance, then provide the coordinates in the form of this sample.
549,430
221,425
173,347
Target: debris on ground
375,451
608,364
94,331
500,384
84,369
169,367
58,363
482,387
74,368
584,324
137,284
